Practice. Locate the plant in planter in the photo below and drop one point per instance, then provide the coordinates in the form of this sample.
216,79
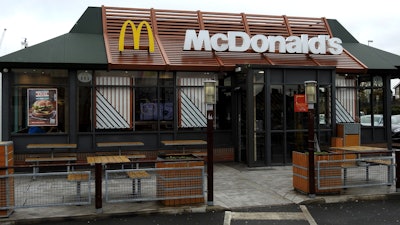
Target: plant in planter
330,174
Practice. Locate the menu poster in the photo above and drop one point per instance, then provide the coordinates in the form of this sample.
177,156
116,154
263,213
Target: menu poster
300,104
42,107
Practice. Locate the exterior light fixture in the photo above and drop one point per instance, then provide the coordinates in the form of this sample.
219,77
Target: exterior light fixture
311,91
210,91
311,99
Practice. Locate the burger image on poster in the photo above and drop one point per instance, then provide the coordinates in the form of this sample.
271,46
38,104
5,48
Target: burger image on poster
43,109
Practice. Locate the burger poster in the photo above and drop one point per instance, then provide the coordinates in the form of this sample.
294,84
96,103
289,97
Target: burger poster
42,107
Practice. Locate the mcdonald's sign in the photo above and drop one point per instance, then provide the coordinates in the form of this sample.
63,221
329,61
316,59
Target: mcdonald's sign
136,35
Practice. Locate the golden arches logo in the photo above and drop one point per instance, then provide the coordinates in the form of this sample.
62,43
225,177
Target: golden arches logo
136,35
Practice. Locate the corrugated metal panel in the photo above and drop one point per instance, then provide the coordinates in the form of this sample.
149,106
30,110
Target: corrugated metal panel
193,109
107,117
113,104
169,27
345,100
191,114
342,115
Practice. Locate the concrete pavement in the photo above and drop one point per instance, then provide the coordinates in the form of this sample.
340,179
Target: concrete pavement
235,186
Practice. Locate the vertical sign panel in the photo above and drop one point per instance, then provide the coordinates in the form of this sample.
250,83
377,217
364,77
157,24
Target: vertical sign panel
42,107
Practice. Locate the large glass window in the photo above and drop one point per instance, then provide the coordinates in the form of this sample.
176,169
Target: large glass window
126,100
149,100
43,109
371,101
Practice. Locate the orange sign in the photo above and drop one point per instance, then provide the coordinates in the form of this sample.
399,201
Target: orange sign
300,104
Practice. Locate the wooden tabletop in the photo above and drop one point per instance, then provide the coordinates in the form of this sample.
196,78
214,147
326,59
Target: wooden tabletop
107,159
119,144
359,148
183,142
65,145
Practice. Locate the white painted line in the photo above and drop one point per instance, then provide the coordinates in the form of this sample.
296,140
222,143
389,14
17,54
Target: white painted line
308,216
268,216
227,218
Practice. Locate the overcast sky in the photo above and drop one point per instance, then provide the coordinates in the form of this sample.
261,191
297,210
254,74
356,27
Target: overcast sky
41,20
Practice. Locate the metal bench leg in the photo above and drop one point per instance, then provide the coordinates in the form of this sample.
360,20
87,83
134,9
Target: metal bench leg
139,187
138,190
133,187
78,190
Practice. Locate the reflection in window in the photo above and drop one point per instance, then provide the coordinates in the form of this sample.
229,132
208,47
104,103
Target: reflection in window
324,105
277,107
371,101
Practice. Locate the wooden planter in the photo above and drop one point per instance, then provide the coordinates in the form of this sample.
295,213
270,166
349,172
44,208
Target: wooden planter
6,184
176,185
331,174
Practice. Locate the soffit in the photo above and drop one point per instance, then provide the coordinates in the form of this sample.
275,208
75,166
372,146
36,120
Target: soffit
169,27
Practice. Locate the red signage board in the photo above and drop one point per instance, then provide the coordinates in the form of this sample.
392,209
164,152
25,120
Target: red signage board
300,104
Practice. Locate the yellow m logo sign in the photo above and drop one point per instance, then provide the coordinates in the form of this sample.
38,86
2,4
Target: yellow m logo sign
136,35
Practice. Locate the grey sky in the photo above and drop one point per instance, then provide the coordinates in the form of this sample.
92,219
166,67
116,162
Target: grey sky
41,20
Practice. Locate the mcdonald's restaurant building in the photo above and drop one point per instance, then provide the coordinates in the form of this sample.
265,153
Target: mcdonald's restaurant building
124,74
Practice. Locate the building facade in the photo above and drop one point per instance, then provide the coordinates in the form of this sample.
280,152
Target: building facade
124,74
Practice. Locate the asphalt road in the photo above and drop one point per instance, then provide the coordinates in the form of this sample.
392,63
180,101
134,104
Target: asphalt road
382,212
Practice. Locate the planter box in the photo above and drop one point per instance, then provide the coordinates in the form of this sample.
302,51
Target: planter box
6,184
331,174
176,186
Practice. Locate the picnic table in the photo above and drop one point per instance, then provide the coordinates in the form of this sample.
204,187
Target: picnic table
36,160
120,144
52,147
107,159
184,143
370,161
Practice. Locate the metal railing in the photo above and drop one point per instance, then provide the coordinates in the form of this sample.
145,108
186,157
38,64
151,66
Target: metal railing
47,189
25,189
368,170
153,184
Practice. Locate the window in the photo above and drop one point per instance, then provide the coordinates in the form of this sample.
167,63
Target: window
371,101
43,81
127,100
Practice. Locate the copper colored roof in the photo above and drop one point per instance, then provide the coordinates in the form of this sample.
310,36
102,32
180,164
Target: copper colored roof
169,27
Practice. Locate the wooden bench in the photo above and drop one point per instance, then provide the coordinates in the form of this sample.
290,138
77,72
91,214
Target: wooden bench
136,156
385,162
137,175
119,145
78,178
35,160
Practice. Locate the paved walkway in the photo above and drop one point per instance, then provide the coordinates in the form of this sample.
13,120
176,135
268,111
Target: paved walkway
235,186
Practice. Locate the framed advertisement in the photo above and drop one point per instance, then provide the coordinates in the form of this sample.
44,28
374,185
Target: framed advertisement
42,107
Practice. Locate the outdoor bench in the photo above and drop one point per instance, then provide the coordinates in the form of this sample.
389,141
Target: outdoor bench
35,160
137,175
78,177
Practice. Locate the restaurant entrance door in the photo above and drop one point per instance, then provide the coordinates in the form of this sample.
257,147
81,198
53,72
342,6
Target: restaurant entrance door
269,125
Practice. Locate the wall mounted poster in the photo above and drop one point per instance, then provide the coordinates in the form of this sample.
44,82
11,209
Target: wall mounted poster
300,104
42,107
